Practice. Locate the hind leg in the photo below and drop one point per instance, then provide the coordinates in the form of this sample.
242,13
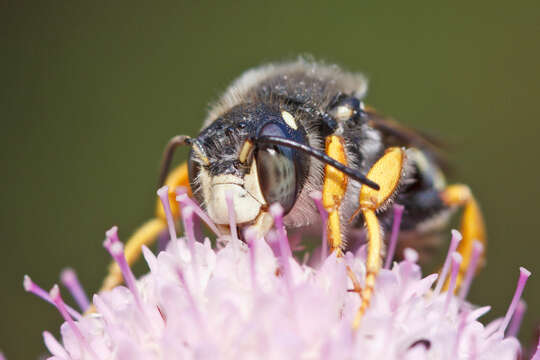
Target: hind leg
472,223
429,202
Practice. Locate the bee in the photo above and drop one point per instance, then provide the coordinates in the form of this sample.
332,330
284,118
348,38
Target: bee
282,131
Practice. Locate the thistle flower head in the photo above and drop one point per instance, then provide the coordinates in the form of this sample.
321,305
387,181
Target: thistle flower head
248,300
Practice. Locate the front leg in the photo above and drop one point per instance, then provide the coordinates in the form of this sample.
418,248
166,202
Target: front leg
334,187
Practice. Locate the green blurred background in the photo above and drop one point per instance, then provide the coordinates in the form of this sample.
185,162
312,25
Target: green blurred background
91,93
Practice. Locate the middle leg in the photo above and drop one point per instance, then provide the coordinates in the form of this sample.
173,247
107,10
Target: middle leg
387,172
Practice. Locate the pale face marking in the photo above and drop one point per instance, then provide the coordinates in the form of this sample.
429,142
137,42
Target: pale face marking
246,193
246,151
245,206
289,119
252,183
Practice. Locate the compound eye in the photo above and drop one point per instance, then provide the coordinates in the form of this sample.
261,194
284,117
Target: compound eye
277,171
194,169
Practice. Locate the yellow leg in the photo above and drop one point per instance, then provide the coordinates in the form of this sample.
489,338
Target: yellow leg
386,172
472,224
148,232
335,184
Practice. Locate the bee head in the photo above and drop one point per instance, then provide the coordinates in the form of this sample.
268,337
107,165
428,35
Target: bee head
228,158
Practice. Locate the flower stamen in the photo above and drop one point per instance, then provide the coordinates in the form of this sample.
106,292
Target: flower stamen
478,249
285,251
515,323
33,288
232,215
251,238
456,238
523,276
69,279
187,219
55,296
103,308
163,194
317,199
411,257
190,298
116,249
54,346
184,199
456,261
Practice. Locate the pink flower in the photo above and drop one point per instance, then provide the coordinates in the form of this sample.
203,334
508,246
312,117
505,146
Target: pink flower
247,301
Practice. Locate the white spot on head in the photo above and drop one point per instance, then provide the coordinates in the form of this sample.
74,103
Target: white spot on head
289,119
343,113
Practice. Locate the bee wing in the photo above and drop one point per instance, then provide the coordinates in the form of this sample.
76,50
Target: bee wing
397,134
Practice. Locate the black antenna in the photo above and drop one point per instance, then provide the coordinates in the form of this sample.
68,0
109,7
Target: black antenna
179,140
356,175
